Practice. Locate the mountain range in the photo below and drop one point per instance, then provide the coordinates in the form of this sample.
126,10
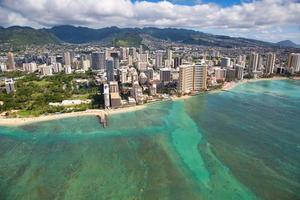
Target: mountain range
17,35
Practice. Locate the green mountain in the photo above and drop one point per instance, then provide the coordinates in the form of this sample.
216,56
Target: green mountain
133,36
17,35
122,36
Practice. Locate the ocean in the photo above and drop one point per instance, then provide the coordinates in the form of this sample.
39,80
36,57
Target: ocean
239,144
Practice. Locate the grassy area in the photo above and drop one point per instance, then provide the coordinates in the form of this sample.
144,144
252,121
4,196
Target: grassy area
80,96
42,83
33,94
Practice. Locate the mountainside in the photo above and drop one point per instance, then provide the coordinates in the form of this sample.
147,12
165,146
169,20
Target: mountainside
133,36
122,36
288,43
16,35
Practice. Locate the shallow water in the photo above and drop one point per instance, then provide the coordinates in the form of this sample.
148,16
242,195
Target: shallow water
242,144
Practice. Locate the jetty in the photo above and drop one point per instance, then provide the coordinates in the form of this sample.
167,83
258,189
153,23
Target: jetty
103,120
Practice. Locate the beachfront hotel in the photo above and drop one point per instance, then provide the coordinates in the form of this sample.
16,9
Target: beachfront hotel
192,78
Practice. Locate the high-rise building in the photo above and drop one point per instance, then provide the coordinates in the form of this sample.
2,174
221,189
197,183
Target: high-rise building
110,70
115,99
294,62
239,72
30,67
113,87
159,59
225,62
143,57
253,64
169,55
134,77
67,58
177,62
46,70
106,95
86,65
141,49
57,67
116,59
68,69
260,63
122,75
98,60
165,75
2,67
149,73
192,78
271,57
230,74
137,93
11,61
130,60
9,86
132,52
153,89
220,74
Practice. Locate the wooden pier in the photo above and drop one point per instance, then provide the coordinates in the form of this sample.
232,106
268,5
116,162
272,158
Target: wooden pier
103,119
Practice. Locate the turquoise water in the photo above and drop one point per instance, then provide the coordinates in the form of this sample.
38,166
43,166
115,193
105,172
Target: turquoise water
241,144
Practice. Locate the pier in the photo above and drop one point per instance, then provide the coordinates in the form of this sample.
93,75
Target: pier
103,120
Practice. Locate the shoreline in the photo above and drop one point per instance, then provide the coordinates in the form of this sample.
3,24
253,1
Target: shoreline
231,85
13,122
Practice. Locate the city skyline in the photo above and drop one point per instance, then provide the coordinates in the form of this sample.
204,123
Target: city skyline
266,20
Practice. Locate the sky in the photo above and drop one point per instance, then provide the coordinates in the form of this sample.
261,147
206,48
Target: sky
268,20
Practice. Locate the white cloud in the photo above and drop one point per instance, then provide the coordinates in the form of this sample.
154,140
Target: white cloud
261,15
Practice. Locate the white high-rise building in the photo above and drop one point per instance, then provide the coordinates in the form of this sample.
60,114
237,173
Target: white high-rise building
122,75
271,57
30,67
68,69
86,65
253,64
220,74
46,70
169,55
294,62
2,67
67,58
106,95
159,59
9,86
192,78
239,72
57,67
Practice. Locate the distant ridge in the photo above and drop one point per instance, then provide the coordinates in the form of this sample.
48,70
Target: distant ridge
288,43
17,35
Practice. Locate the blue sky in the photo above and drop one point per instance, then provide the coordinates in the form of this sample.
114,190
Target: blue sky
268,20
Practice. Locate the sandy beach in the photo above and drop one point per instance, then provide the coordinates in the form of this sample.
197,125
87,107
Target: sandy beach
23,121
231,85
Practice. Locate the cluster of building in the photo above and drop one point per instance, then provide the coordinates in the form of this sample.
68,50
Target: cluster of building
134,76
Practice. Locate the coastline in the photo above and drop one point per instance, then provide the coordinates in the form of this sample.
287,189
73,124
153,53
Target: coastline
230,85
10,122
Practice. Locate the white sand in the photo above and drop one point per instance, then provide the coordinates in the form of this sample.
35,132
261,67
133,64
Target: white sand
23,121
